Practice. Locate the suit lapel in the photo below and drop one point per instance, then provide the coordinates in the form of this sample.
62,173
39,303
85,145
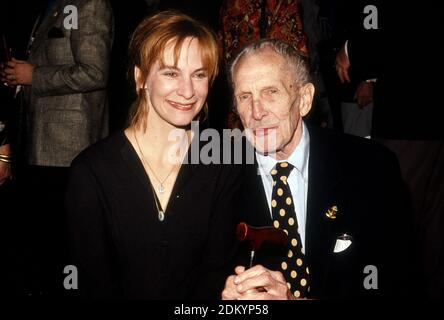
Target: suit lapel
256,210
325,173
48,21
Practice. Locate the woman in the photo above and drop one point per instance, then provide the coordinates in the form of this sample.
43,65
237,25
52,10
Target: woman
141,224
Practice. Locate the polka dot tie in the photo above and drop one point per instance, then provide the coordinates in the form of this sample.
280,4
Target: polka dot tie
293,266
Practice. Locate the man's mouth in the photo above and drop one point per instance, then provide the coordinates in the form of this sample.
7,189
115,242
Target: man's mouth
260,132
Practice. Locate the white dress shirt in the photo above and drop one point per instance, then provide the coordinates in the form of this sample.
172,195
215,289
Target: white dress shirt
297,181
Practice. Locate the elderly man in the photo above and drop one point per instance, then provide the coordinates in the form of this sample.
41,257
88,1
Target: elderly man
336,197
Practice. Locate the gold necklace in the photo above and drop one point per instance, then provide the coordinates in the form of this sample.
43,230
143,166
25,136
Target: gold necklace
161,188
160,212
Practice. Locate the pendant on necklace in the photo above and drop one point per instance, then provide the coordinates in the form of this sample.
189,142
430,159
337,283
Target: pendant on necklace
161,189
161,216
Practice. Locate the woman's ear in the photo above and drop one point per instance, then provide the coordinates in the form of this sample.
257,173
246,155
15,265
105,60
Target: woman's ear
137,78
306,95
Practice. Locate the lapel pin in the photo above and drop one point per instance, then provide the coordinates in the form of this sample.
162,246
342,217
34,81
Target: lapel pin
331,213
55,14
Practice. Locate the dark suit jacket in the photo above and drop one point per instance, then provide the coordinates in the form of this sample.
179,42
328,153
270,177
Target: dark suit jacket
403,53
363,180
118,243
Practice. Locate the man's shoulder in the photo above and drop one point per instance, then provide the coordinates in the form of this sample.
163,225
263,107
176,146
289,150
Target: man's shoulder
100,10
96,3
350,150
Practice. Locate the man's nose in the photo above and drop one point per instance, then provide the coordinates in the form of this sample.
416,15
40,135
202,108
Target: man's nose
259,110
186,88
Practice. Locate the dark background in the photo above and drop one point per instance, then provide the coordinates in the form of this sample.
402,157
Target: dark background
414,60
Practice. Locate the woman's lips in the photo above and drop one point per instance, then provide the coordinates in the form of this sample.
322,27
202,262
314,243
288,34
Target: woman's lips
181,106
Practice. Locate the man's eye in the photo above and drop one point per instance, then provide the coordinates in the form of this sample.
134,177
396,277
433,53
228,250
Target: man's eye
272,91
243,97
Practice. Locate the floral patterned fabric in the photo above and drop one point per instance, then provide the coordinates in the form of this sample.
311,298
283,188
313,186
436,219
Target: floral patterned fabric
242,20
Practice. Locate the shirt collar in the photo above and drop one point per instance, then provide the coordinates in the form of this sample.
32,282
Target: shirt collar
298,158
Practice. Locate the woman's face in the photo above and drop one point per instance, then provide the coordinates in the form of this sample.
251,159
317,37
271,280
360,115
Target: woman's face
176,94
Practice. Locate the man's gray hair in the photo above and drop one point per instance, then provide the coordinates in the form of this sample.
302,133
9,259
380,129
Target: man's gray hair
293,58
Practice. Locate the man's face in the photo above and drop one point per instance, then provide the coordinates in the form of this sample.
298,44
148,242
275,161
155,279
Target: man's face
269,102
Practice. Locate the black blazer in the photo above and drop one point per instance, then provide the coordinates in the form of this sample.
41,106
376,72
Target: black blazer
120,247
363,180
402,55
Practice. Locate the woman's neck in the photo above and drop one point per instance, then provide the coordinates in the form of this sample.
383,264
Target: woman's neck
162,142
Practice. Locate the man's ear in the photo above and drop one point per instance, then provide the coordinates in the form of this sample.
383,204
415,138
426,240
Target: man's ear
306,93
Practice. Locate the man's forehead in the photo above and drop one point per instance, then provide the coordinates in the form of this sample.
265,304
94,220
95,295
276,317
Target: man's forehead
264,56
244,81
261,67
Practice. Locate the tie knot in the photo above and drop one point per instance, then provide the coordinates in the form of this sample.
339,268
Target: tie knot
281,169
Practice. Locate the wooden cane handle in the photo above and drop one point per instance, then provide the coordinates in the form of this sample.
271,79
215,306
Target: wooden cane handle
256,236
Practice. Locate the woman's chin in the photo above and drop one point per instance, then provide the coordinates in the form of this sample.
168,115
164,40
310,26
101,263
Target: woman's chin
181,123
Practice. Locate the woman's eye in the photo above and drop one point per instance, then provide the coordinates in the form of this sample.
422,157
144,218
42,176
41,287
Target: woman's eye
170,74
200,75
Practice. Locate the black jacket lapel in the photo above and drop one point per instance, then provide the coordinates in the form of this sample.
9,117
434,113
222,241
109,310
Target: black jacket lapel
255,206
324,174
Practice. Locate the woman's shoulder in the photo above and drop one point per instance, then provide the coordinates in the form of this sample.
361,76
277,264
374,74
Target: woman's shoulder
225,158
102,151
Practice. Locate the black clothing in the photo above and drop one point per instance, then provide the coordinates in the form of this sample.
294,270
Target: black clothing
362,179
120,246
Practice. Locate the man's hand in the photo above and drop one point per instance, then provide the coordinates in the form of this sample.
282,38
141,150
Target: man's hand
256,283
5,168
342,64
364,94
16,72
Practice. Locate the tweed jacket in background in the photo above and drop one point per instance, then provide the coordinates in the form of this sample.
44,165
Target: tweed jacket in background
66,105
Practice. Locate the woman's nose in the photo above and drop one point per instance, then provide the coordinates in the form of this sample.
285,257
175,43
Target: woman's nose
186,89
